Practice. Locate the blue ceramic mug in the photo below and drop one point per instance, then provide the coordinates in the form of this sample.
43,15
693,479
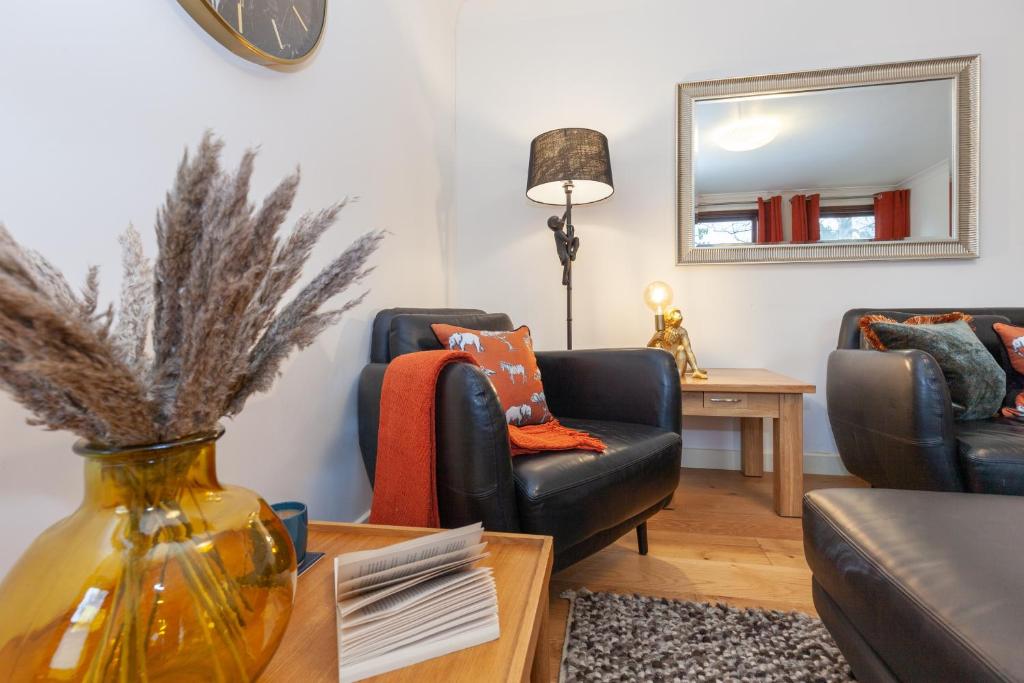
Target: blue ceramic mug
295,517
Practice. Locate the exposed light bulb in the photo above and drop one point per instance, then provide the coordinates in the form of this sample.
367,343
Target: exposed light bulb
747,133
658,296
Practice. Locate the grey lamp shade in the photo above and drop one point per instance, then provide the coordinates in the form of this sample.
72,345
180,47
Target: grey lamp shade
576,154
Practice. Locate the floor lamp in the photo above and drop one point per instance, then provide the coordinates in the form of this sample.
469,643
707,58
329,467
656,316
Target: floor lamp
568,166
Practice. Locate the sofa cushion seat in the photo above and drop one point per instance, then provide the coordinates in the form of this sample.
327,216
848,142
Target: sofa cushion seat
930,581
992,455
583,492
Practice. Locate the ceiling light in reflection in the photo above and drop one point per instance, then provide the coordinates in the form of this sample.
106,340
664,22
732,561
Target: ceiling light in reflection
746,134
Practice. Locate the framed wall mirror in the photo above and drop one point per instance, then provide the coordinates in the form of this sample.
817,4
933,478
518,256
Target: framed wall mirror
861,163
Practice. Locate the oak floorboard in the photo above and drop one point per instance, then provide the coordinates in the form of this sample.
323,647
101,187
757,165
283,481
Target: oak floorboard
719,541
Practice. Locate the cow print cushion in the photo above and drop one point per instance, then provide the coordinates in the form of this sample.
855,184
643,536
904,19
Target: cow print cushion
508,361
1013,339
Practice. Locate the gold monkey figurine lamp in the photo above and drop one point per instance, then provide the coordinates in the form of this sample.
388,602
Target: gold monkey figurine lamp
669,331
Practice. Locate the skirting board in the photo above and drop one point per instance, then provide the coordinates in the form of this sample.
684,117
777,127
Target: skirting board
719,459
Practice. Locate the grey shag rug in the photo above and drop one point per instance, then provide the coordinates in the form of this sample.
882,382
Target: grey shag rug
613,637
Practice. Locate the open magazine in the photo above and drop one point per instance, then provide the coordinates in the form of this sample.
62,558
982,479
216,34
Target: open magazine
412,601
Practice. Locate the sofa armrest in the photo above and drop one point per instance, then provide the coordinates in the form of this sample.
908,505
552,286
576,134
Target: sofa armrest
474,460
623,385
892,419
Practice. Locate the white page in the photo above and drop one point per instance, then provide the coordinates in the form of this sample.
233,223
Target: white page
370,651
380,645
426,585
407,570
439,601
430,648
413,601
441,586
413,578
356,623
363,562
405,622
484,602
397,597
481,630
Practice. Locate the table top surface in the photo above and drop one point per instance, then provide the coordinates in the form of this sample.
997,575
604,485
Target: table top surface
522,567
747,380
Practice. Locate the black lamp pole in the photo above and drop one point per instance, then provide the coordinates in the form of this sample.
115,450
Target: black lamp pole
573,161
567,244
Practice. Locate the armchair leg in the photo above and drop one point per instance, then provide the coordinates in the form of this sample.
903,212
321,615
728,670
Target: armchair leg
641,538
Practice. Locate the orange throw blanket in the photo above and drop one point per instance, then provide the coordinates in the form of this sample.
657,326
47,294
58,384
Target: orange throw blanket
405,488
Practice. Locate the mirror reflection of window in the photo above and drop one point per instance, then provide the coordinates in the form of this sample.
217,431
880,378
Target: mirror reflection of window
715,228
877,160
847,223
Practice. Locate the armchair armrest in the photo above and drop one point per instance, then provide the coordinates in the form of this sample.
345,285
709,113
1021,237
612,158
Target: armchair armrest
371,380
623,385
892,419
474,458
474,461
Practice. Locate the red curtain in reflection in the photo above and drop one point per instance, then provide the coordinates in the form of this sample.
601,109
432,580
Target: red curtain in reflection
769,219
806,210
892,215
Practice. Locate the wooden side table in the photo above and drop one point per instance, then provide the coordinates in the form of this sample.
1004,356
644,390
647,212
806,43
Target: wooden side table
522,569
753,394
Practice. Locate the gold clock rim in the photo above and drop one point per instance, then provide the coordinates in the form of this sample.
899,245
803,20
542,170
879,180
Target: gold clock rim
210,19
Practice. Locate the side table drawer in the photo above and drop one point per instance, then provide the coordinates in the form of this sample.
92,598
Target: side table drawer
730,404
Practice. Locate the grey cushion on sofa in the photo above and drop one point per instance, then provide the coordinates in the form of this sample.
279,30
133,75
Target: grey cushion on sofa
977,383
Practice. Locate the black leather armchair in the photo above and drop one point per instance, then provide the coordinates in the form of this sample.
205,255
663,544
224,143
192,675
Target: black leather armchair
630,398
893,421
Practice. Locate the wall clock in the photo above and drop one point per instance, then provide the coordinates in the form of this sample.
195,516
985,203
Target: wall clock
276,33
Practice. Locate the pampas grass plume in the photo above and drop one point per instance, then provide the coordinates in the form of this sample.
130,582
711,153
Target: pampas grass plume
195,334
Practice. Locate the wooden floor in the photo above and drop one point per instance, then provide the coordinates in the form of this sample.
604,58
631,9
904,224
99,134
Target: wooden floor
718,541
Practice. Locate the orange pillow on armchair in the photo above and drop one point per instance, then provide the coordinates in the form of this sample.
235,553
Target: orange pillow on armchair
508,361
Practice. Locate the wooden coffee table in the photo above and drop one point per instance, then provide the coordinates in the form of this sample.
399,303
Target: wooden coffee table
522,568
753,394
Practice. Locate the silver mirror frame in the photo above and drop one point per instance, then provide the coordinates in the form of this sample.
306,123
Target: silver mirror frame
964,71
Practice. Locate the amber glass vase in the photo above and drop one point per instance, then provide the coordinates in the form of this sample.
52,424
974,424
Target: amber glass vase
162,574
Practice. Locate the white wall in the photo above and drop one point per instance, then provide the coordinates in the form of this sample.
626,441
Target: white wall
529,66
98,102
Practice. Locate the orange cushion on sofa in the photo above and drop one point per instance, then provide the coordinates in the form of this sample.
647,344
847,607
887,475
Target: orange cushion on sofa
1013,340
508,361
872,340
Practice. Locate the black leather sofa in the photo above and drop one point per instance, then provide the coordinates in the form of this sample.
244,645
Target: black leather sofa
630,398
893,421
920,586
